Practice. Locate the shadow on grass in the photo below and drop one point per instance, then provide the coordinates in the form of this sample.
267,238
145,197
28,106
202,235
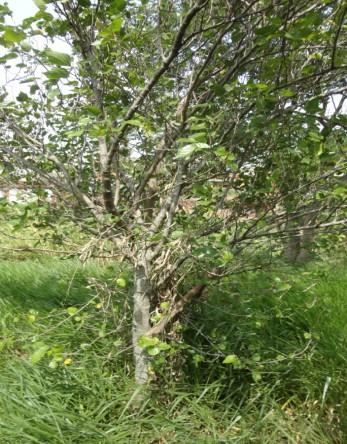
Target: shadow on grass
46,285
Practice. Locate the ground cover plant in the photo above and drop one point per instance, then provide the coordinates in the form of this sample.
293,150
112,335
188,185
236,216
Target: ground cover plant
262,359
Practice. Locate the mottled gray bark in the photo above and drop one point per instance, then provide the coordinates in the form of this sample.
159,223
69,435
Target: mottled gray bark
307,235
292,242
141,322
298,246
291,247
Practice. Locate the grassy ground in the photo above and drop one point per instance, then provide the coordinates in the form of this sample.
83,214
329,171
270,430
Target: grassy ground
65,361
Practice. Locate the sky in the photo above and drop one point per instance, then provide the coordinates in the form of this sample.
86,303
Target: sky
22,9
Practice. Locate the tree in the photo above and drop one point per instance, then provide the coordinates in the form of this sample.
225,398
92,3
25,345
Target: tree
184,132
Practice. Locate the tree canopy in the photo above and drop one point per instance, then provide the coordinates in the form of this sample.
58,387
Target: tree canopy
190,134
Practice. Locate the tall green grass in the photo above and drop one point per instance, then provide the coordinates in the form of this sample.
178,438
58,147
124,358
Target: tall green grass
66,371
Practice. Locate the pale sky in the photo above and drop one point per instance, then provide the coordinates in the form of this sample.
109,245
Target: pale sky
22,9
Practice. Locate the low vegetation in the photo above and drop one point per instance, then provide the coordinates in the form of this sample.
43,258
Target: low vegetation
262,359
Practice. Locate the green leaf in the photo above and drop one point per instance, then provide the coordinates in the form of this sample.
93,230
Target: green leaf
53,364
134,122
117,5
39,354
285,287
287,93
57,58
339,191
197,359
116,24
9,56
92,109
121,282
227,257
25,46
41,4
153,351
22,97
57,73
267,31
147,341
74,133
256,376
12,36
188,150
198,126
198,137
232,359
312,106
72,310
28,80
114,27
165,305
261,86
315,137
177,234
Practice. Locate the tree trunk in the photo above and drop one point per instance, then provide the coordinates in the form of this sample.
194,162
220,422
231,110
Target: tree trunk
141,322
299,244
292,248
292,242
306,244
307,236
